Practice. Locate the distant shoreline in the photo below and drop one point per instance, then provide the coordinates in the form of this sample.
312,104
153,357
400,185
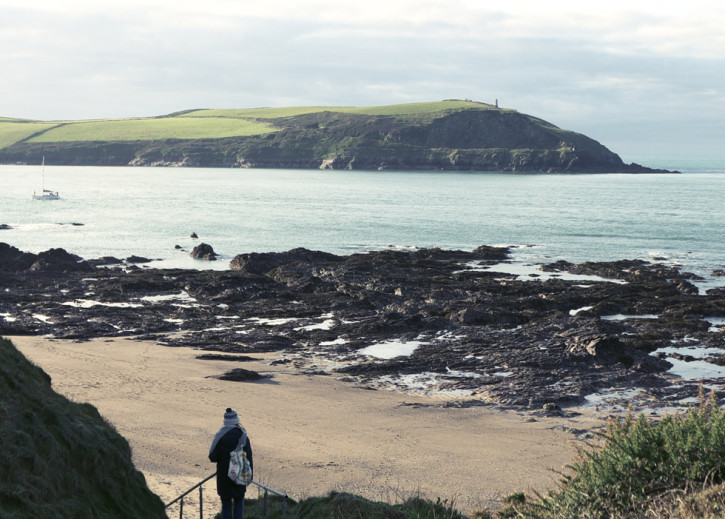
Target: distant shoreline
450,135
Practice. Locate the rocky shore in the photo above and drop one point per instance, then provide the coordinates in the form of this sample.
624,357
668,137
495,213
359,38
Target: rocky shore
465,324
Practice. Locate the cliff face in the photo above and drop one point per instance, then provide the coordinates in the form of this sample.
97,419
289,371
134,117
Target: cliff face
468,139
61,459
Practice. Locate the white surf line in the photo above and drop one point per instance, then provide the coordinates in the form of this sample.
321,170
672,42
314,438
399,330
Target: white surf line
533,272
391,349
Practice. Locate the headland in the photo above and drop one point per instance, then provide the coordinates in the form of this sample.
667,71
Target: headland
454,135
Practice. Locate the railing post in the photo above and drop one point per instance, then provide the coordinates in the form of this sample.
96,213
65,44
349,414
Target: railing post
201,502
261,486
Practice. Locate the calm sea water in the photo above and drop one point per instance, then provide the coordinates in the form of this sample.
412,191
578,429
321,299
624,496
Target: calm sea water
148,211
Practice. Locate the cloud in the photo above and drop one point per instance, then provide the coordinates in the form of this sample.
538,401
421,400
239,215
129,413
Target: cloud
588,66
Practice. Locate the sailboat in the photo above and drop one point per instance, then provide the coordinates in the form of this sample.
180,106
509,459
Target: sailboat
47,194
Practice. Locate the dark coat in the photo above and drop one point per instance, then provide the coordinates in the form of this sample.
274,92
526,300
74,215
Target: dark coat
225,487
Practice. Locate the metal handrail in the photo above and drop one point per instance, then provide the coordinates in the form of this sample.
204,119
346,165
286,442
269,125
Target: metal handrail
267,491
198,485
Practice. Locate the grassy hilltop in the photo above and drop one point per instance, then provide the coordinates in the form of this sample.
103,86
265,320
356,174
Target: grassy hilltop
445,135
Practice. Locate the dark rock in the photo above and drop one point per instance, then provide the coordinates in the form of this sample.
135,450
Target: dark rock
261,263
138,259
177,247
204,251
280,362
718,272
610,350
718,360
256,262
105,260
683,358
12,258
4,227
58,260
511,342
486,252
193,235
482,316
230,358
242,375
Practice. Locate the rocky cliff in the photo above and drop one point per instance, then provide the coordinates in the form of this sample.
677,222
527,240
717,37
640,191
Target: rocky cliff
471,136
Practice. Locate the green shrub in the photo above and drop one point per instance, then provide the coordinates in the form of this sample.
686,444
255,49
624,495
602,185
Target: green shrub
641,463
342,505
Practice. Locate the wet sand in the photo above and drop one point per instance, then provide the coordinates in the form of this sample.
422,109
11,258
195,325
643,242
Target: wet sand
310,434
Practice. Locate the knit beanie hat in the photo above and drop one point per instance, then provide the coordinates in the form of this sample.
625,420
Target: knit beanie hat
231,417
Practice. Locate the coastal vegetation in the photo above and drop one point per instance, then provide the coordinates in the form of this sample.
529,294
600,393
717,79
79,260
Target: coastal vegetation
443,135
673,467
59,458
152,129
346,505
408,111
12,130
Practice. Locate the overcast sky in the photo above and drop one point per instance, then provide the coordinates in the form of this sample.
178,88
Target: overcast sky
642,77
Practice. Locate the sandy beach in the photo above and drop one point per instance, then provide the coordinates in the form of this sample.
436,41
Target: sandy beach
310,434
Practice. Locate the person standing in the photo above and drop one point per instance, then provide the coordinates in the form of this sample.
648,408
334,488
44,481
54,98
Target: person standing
224,442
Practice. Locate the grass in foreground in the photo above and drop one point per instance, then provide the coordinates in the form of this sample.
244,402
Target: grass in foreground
61,459
671,468
342,505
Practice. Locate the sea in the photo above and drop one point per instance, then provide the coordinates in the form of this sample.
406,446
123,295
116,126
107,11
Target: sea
676,219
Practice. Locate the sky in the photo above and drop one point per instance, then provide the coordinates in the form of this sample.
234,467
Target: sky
641,77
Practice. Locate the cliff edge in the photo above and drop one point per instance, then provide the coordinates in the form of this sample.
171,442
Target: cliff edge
447,135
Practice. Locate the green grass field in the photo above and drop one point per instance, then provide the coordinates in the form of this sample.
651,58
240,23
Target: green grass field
12,131
394,110
153,129
202,124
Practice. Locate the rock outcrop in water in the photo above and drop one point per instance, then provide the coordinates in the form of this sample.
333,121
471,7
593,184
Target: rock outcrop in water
474,330
51,260
204,251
